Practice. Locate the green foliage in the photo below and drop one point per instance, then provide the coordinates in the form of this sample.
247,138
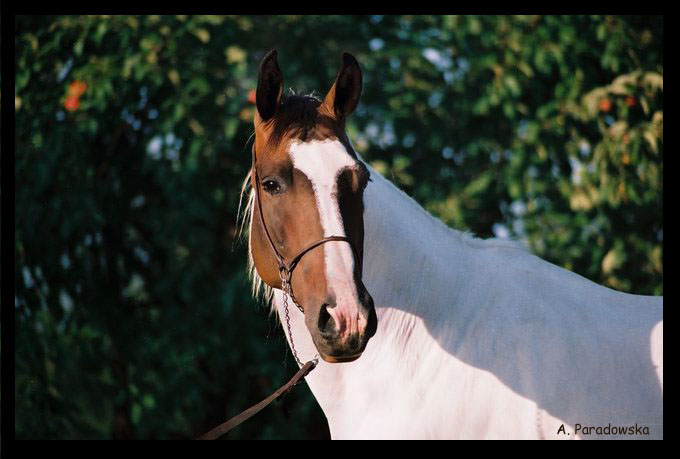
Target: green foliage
133,315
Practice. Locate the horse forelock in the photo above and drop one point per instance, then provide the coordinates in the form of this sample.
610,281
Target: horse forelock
297,116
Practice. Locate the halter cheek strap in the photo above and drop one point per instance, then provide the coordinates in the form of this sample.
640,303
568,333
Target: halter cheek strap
286,268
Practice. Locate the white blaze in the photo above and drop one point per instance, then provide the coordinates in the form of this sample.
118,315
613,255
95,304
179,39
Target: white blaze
322,162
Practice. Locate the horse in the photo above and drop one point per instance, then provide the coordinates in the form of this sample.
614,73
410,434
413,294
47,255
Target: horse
423,331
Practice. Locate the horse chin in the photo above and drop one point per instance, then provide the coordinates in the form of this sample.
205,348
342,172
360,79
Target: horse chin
331,359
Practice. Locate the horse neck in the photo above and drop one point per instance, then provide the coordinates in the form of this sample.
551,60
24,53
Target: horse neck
413,262
417,270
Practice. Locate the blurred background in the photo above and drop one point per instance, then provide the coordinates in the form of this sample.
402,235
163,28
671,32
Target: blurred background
133,314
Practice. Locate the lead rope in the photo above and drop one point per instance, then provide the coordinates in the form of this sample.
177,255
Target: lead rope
305,369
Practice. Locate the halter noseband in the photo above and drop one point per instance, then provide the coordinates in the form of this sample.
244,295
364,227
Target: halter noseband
286,269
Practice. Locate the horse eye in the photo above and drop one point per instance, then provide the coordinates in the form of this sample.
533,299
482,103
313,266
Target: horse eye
271,187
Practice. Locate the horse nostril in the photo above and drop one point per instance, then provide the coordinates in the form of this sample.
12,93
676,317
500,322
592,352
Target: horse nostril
326,324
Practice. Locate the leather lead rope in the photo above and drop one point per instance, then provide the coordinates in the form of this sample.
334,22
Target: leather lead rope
225,427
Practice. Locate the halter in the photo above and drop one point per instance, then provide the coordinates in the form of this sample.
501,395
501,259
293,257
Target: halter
286,268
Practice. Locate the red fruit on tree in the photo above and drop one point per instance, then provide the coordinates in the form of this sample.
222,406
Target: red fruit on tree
605,105
251,96
77,88
72,103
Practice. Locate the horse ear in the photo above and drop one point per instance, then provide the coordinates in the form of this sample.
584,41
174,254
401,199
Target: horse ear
269,86
343,96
